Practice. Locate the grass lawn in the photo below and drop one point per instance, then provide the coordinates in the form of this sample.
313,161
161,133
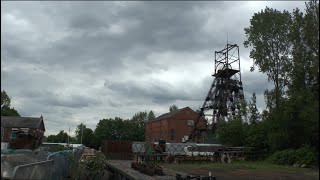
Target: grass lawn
245,170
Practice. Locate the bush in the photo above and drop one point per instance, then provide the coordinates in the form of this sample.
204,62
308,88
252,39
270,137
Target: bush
95,163
300,156
285,157
305,156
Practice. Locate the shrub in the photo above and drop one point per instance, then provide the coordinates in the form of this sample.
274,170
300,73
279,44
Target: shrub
285,157
305,156
96,163
300,156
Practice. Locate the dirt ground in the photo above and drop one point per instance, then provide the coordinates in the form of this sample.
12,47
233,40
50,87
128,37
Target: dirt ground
240,171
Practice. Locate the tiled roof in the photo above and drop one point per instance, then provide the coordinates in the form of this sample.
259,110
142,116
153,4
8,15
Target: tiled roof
169,115
21,122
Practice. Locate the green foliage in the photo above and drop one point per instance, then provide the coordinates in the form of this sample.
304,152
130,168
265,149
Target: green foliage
61,137
255,136
73,165
95,163
305,156
151,116
303,89
5,100
120,129
268,34
232,132
285,157
114,129
254,115
84,135
140,117
286,47
173,108
300,156
6,110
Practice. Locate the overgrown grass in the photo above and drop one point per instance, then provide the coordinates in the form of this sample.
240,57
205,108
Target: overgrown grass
257,166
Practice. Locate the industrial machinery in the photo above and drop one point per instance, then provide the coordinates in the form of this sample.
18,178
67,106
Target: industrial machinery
225,93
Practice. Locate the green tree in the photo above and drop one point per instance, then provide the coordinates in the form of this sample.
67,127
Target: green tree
79,132
119,129
254,115
139,123
268,34
151,116
6,110
85,135
255,136
51,138
231,132
114,129
73,140
5,100
173,108
88,137
61,137
140,117
303,90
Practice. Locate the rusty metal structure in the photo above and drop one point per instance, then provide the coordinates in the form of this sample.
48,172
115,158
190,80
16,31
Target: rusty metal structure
226,91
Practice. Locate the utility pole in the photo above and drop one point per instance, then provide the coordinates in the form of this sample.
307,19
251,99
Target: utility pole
81,132
69,136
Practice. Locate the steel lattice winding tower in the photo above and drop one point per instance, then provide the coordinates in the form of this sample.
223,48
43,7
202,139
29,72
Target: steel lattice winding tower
226,92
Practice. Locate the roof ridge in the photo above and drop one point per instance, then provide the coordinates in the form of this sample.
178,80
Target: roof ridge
20,117
170,114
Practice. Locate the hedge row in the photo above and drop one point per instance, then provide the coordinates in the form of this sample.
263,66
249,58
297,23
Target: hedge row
303,156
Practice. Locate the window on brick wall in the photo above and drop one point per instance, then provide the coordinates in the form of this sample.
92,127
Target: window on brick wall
14,133
172,134
25,130
190,123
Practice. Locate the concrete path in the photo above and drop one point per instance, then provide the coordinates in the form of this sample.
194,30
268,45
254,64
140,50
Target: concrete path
124,166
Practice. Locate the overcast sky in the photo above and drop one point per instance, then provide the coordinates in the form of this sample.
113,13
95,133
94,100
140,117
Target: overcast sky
76,62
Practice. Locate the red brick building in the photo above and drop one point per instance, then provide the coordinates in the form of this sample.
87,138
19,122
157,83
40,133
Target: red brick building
22,132
175,127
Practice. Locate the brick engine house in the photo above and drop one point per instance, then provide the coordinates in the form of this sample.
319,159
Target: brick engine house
175,127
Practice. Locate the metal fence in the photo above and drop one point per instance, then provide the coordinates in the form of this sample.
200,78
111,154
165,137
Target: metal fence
38,170
57,166
186,151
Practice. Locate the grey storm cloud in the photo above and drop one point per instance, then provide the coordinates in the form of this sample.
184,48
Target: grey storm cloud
55,99
76,62
163,93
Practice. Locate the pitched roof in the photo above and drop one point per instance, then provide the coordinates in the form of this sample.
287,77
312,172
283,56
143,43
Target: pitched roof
170,114
21,122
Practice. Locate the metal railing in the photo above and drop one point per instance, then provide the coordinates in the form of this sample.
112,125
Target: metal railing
186,151
38,170
56,166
